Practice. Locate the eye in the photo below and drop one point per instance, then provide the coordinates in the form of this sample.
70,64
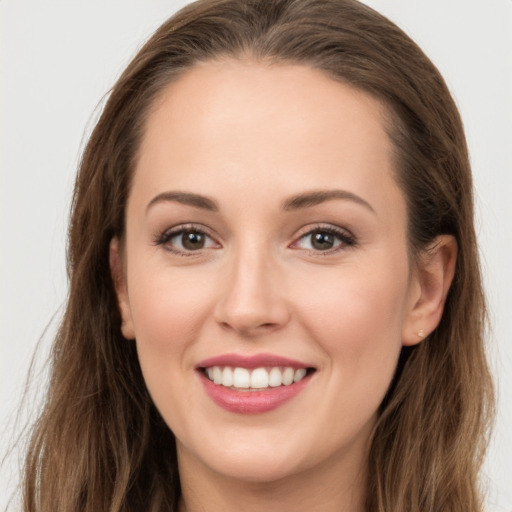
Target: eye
189,240
324,239
183,240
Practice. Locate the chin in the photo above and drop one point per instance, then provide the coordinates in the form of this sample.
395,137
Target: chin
258,469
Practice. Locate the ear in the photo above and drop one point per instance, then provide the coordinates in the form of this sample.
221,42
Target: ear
429,288
119,279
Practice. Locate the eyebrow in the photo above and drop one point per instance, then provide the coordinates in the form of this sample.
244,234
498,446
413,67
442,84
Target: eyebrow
309,199
186,198
297,202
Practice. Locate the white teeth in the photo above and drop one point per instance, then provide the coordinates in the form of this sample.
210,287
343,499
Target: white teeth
241,378
259,378
288,376
227,376
299,374
217,375
275,377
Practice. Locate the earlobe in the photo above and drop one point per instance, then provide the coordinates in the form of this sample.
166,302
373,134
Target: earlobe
119,279
432,280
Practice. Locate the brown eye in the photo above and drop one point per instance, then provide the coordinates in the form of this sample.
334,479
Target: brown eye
192,240
322,241
186,240
328,239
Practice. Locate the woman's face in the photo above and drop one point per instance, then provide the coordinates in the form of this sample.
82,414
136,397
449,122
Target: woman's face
266,242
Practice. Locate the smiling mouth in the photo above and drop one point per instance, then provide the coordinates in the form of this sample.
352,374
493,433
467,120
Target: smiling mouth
255,379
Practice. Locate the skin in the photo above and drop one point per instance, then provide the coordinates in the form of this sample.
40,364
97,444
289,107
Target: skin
251,136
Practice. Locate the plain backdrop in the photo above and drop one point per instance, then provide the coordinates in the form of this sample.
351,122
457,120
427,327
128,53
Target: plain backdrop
59,58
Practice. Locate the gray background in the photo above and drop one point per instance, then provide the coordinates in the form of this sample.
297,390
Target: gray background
58,59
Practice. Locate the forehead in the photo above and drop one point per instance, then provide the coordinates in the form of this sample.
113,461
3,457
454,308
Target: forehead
226,93
265,126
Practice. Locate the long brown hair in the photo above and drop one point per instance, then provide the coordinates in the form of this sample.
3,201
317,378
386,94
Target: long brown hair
100,444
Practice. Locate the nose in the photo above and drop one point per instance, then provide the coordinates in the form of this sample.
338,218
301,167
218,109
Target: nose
253,300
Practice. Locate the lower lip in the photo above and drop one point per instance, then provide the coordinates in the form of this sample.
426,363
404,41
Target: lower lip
252,402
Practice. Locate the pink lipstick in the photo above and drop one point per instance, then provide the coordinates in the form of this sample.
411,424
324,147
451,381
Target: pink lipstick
253,384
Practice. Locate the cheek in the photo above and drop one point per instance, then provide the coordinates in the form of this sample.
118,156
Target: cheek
167,305
357,320
168,311
167,314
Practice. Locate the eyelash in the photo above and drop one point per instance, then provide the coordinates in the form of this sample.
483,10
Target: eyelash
345,238
164,238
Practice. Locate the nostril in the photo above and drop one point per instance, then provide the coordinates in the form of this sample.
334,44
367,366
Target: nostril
248,328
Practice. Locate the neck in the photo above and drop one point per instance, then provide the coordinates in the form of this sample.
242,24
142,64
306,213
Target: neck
329,487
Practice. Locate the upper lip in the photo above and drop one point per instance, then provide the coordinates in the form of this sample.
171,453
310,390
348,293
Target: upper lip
251,362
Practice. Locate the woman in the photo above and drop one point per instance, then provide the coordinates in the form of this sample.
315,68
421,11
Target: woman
275,299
